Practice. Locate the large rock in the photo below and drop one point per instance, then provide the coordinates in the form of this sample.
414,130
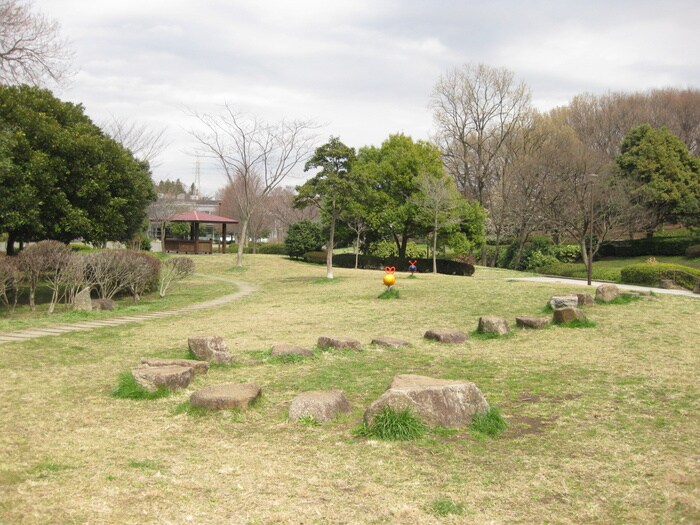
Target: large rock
200,367
286,349
585,299
103,304
339,343
606,292
567,315
226,396
446,335
211,348
322,406
390,342
563,301
436,402
82,301
151,378
490,324
534,323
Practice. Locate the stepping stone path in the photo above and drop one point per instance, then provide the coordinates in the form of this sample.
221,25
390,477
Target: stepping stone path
200,367
211,348
563,301
534,323
339,343
286,349
490,324
585,299
390,342
172,377
446,335
436,402
567,315
226,396
321,406
606,292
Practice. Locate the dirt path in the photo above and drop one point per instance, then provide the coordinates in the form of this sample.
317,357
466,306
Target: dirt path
583,282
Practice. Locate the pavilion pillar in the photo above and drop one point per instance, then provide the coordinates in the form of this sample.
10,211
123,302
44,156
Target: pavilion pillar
223,236
196,237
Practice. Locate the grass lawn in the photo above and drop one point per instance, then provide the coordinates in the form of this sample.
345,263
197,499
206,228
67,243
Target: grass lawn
603,421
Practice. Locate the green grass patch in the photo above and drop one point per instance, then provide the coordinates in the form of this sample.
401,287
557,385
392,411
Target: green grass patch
186,408
621,299
308,421
579,323
392,425
491,423
486,336
326,280
145,464
46,468
128,388
390,293
445,506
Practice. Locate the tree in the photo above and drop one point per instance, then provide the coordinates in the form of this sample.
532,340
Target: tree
31,47
392,172
440,202
666,175
145,143
257,154
66,179
331,189
160,211
303,236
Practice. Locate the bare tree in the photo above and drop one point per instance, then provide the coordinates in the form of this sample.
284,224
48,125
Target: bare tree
476,108
280,206
253,154
173,270
145,143
161,210
9,281
31,47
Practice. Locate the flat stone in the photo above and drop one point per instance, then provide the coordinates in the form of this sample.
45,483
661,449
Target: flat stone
322,406
566,315
211,348
446,335
585,299
103,304
82,302
563,301
606,292
490,324
172,377
436,402
286,349
200,367
534,323
339,343
226,396
390,342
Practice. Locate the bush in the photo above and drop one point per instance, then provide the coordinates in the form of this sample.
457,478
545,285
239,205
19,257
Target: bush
174,269
9,281
673,246
537,259
115,271
302,237
693,252
652,274
272,249
318,257
567,253
368,262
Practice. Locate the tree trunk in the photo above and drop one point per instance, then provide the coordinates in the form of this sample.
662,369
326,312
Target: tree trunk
357,249
584,252
329,250
435,232
10,246
241,241
162,237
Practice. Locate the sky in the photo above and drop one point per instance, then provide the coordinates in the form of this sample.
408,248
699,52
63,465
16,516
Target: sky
362,69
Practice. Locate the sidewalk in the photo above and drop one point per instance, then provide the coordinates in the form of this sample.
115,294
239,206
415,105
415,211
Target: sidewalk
583,282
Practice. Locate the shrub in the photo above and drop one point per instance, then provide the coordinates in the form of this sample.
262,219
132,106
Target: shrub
114,271
318,257
9,281
40,259
302,237
393,425
174,270
567,253
537,259
661,245
383,249
368,262
490,423
652,274
272,249
693,252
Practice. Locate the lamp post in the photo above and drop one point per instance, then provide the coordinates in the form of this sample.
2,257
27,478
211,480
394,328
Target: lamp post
589,272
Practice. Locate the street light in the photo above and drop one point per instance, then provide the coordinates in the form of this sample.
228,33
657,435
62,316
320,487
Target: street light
591,177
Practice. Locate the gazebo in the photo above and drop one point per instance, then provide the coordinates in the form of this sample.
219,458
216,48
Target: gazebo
194,244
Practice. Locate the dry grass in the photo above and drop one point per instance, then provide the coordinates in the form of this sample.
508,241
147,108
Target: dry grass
603,421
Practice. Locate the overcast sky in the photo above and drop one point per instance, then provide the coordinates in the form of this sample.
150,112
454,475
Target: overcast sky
362,68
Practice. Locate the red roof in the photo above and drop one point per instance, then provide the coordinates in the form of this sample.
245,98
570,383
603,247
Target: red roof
200,216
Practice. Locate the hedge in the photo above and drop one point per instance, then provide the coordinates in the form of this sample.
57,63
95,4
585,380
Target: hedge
653,246
264,248
369,262
652,274
693,252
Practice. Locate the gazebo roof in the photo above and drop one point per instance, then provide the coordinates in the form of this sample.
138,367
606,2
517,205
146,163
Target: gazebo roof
199,216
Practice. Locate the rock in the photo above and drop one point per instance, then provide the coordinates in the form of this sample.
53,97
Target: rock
200,367
585,299
211,348
490,324
566,315
446,335
606,292
390,342
82,301
286,349
563,301
322,406
436,402
535,323
225,396
103,304
339,343
172,377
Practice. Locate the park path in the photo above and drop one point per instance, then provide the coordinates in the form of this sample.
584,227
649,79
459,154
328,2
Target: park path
244,289
583,282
